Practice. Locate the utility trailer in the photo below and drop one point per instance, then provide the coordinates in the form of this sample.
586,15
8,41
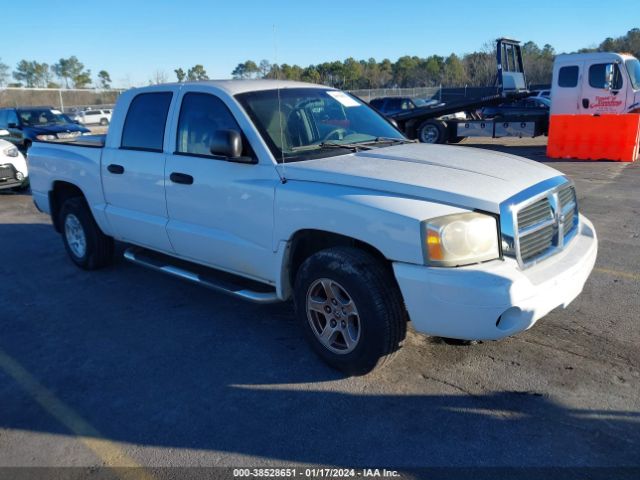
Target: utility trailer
437,125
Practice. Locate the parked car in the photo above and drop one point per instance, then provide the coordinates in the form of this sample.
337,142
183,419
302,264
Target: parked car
389,105
13,167
24,125
526,107
540,94
94,117
275,190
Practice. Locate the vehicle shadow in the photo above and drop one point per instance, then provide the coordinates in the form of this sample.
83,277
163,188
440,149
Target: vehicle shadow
149,360
26,192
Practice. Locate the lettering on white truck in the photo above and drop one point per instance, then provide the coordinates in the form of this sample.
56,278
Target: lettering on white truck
272,190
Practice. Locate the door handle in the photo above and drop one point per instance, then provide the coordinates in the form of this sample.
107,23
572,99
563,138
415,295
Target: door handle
585,103
183,178
116,169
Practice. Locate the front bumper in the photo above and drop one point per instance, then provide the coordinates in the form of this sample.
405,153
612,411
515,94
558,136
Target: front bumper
495,299
9,174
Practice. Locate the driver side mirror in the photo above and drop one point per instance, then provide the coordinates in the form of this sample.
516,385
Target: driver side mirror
13,125
228,144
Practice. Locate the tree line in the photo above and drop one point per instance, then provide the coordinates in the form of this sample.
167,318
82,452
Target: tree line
472,69
66,73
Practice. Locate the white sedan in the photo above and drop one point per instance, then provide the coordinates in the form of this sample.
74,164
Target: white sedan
94,117
13,167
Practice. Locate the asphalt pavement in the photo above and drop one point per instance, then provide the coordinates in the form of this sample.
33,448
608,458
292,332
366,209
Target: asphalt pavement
125,366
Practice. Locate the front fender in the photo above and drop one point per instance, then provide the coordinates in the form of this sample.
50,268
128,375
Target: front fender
388,222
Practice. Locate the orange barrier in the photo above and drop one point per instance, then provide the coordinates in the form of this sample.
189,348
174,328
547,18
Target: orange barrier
588,137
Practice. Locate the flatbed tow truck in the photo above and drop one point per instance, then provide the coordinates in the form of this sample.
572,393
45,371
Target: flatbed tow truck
435,124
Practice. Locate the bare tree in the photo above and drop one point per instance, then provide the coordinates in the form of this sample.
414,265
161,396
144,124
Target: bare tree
159,76
4,74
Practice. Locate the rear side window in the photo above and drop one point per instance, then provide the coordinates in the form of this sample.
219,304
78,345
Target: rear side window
598,76
145,122
568,77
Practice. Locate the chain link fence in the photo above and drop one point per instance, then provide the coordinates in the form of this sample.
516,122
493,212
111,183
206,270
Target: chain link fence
64,99
418,92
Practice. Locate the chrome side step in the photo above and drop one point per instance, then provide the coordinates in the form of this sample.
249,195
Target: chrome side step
207,277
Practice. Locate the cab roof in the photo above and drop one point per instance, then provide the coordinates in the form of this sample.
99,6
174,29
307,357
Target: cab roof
234,87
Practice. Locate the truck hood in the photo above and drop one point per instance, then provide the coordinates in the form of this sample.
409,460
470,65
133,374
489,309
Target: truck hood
462,176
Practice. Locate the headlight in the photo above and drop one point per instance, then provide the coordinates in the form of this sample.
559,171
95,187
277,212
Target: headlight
46,137
460,239
11,151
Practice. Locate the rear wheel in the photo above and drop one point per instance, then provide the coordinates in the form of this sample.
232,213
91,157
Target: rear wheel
85,243
432,131
350,309
104,122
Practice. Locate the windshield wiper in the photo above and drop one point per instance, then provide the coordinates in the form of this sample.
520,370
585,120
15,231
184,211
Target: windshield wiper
354,147
389,140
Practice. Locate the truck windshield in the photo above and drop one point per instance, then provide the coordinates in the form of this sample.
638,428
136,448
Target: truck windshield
42,116
633,67
304,123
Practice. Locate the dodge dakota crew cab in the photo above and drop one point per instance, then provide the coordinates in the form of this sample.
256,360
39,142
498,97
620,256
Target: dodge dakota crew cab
273,190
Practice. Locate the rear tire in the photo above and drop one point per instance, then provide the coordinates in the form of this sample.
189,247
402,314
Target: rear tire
85,243
362,321
432,131
104,122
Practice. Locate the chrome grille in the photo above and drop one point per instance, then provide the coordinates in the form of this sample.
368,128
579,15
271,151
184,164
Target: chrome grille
62,135
535,213
569,208
536,229
7,172
539,222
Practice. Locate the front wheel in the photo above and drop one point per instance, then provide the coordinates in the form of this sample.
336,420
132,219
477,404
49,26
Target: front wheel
85,243
350,308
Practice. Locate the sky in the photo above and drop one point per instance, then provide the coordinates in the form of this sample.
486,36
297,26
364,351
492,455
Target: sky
133,39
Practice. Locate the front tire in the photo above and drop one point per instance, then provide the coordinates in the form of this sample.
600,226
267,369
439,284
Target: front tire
350,309
85,243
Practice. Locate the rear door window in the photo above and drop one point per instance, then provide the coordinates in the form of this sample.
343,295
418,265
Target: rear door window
145,122
568,76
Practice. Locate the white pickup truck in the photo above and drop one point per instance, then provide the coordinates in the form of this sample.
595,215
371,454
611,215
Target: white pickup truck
273,190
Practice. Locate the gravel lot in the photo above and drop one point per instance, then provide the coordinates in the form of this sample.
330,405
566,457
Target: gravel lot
126,366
